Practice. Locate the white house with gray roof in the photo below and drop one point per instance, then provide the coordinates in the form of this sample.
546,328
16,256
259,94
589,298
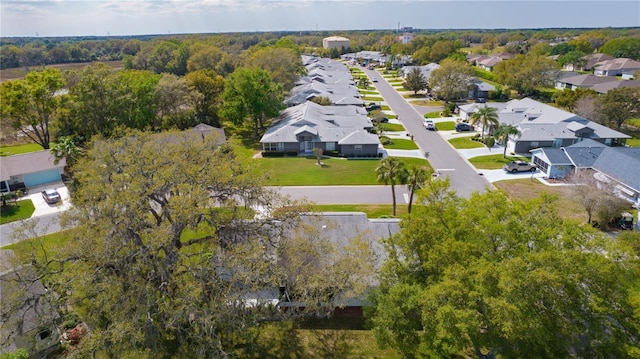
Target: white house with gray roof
619,166
343,129
541,125
338,93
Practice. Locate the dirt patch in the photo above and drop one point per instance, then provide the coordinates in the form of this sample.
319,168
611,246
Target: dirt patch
525,189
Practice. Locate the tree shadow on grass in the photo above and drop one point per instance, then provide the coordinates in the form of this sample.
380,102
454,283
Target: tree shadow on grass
11,209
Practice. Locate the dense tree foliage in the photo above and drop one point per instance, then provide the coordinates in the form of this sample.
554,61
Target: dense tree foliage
622,47
415,81
251,94
486,116
32,105
490,277
525,73
567,98
177,251
452,80
619,105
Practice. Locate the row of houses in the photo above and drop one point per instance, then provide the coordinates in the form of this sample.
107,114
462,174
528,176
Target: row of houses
341,128
561,143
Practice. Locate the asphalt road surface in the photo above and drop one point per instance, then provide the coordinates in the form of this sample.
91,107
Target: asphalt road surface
45,224
442,156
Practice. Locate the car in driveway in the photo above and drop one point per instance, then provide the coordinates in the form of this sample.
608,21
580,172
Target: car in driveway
51,196
519,166
462,126
429,125
373,108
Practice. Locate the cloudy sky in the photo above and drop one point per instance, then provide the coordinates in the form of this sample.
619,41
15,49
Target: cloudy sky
137,17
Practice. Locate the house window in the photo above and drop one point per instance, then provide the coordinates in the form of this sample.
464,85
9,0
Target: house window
280,146
557,142
542,165
535,144
330,146
269,146
357,148
608,141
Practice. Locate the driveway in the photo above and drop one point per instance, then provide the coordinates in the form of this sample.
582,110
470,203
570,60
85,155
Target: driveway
42,207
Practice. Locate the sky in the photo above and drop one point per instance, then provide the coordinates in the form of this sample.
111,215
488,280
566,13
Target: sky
142,17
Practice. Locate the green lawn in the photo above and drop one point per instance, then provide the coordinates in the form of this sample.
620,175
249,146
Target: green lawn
635,122
367,92
374,98
493,162
434,114
16,211
372,210
427,103
464,143
392,127
401,144
633,142
303,171
445,126
385,107
18,149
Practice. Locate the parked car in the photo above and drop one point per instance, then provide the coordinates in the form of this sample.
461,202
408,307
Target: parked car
373,108
624,221
519,166
460,127
429,125
51,196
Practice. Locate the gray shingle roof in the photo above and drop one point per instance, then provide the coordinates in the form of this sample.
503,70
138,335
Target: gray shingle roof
330,123
556,156
622,164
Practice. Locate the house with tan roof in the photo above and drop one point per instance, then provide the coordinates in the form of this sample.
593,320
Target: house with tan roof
616,67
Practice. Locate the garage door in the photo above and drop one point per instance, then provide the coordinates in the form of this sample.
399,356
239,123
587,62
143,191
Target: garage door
40,178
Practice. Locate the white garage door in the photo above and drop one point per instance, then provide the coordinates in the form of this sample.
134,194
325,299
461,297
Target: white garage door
40,178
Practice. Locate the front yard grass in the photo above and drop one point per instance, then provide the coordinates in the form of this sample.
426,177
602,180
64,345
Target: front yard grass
526,189
462,143
493,162
392,127
16,211
401,144
434,114
18,149
445,126
303,171
374,98
427,103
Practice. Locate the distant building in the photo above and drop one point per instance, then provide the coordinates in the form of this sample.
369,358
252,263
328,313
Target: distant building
335,42
406,38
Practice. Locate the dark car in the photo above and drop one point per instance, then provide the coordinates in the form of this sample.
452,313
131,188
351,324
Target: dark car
460,127
373,108
51,196
519,166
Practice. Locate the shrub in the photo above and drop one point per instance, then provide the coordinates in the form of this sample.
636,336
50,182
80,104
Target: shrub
272,154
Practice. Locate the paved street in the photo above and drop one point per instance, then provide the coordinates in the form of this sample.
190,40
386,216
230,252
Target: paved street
346,194
444,158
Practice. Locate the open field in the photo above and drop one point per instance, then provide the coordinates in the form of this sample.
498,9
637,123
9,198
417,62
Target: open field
18,73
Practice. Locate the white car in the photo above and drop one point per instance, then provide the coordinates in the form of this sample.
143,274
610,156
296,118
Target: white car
375,79
429,125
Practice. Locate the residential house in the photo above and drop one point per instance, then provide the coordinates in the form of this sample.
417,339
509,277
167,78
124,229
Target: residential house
480,90
488,62
608,86
29,169
617,167
582,81
425,70
592,60
27,316
541,125
338,93
302,128
616,67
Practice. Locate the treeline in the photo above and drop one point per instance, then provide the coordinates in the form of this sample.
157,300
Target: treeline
427,45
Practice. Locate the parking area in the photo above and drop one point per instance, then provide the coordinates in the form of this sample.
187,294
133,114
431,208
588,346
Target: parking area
42,207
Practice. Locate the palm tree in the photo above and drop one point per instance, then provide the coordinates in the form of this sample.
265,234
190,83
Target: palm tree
416,179
68,148
486,116
502,134
390,171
